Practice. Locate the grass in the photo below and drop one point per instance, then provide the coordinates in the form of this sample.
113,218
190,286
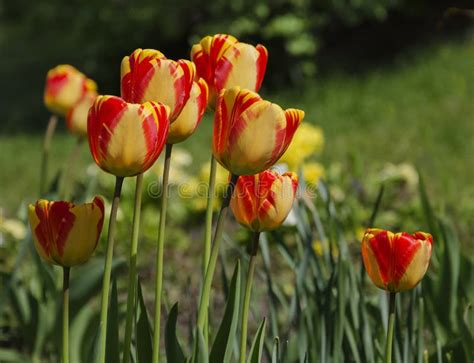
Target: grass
419,109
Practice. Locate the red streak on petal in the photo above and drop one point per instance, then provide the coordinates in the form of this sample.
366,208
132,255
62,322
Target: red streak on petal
55,223
261,65
136,81
381,247
55,82
404,247
155,128
104,116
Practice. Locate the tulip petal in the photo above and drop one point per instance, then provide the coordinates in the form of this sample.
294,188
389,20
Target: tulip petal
55,224
191,115
125,139
85,232
147,75
241,65
65,86
396,262
412,262
262,201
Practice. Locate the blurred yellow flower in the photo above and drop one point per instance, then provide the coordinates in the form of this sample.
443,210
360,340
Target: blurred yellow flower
13,227
308,140
318,248
312,172
180,161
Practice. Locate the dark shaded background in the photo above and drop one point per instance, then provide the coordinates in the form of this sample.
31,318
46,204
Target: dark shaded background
307,39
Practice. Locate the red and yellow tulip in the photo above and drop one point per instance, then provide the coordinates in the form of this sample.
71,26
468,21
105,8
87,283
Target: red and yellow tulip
396,261
76,118
251,134
262,202
125,139
191,115
224,62
65,87
66,234
148,76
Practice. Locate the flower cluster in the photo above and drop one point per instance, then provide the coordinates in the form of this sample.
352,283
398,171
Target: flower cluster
162,102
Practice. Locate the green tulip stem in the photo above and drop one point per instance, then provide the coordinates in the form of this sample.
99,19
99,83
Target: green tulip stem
48,137
132,270
159,255
209,209
108,267
206,290
248,292
208,229
390,327
65,348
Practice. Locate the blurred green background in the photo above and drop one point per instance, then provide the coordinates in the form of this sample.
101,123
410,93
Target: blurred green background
389,82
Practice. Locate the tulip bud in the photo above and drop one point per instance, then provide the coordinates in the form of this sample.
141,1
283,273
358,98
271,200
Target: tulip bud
66,86
224,62
191,115
76,118
251,134
125,139
262,202
396,262
66,234
148,76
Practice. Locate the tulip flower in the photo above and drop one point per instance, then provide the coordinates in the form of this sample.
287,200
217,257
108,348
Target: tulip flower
251,134
76,118
224,62
66,234
148,76
65,87
125,139
191,115
262,202
396,262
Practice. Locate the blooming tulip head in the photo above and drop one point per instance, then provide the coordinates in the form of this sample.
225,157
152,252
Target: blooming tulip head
191,115
251,134
66,86
262,202
224,62
148,76
66,234
396,261
125,139
76,118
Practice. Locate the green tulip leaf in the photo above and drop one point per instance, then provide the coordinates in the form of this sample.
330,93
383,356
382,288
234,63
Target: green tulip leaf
222,348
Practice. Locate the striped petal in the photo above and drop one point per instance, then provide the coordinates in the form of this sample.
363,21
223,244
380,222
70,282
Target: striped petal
64,233
65,86
125,139
76,118
191,115
224,62
262,202
250,134
148,76
241,65
396,262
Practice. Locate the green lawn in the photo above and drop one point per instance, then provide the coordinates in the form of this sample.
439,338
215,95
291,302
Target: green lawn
420,110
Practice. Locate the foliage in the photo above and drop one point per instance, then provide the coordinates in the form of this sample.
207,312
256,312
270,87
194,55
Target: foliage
94,35
310,286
